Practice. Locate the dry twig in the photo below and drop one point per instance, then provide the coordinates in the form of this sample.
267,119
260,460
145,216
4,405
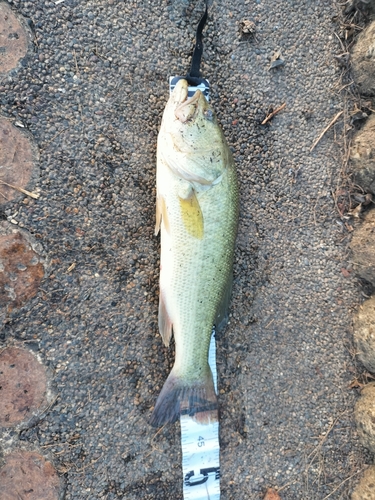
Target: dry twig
28,193
343,482
271,115
326,129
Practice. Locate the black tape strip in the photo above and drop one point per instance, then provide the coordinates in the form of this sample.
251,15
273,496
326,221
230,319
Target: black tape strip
193,77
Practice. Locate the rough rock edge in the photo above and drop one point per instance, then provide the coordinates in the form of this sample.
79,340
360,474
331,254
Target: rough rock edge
35,172
10,435
363,61
366,485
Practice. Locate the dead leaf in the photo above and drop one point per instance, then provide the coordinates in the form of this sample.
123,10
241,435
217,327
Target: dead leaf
247,27
276,60
272,494
356,211
355,384
368,199
357,114
345,272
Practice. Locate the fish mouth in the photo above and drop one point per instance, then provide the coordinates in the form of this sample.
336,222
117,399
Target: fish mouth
180,92
187,108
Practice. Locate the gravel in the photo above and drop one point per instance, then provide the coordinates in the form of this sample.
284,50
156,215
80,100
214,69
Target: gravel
92,94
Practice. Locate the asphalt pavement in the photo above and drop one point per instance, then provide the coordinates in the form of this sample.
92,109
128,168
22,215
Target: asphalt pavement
91,93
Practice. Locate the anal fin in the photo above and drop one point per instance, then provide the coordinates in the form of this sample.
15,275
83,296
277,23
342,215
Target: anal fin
164,321
161,215
158,216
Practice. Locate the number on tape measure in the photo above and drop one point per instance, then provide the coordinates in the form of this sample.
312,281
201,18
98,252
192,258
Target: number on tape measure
200,451
202,477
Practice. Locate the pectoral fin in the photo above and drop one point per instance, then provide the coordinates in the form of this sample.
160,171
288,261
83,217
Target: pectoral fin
161,215
192,216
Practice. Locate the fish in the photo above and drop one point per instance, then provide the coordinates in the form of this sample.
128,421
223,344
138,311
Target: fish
197,206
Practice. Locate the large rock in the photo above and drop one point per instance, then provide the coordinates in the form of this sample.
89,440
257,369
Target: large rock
23,384
365,489
29,476
18,166
367,6
363,61
364,415
364,334
13,39
363,248
21,268
362,155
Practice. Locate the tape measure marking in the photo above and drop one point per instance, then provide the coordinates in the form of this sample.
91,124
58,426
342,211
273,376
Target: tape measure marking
200,443
201,450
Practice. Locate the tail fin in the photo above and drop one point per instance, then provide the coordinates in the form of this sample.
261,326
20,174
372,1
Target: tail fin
178,397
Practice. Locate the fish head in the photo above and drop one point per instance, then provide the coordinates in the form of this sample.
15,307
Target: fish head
197,139
191,111
194,119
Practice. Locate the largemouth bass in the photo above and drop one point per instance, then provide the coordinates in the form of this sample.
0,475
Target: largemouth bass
197,214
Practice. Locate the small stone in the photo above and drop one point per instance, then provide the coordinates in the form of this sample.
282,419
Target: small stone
364,415
364,334
365,489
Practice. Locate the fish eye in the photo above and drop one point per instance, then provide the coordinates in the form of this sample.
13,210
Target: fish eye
209,114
